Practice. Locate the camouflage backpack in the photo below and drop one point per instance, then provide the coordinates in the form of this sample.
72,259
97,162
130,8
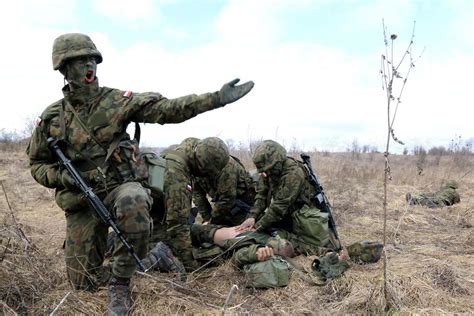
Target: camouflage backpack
271,273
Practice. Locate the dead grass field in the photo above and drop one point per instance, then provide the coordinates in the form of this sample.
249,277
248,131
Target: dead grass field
430,251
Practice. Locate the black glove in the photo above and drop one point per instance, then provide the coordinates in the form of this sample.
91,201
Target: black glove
67,181
230,92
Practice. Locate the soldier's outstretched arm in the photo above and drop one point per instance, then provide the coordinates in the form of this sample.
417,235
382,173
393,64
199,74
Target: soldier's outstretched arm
154,108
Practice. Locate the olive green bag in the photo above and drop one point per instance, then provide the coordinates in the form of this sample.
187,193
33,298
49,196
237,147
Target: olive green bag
272,273
311,225
151,169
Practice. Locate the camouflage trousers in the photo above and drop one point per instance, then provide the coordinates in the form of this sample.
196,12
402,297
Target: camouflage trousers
86,237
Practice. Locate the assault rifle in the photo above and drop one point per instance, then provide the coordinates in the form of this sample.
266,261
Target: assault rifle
321,198
94,200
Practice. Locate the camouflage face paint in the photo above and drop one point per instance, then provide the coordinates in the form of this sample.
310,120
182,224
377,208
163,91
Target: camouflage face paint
81,71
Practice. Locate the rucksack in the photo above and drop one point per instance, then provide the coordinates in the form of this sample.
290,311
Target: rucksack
151,172
271,273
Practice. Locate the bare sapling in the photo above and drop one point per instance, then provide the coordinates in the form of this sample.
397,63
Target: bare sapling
394,74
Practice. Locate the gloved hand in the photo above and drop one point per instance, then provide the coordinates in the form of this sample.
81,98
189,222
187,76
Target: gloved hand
67,181
230,92
329,266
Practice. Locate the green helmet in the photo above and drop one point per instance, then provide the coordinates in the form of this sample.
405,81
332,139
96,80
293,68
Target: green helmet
211,156
281,246
453,184
267,154
72,45
188,145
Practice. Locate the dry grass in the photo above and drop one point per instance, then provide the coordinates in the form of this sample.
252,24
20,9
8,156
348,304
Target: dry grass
430,251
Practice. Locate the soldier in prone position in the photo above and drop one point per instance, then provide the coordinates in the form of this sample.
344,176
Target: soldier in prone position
445,196
90,122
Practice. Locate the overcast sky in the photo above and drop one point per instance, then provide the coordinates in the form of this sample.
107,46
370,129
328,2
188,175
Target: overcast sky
315,65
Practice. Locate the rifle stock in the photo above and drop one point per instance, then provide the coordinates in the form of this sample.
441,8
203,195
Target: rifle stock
94,200
324,204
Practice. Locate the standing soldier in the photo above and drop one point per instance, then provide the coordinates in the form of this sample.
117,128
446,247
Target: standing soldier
90,123
285,203
445,196
232,194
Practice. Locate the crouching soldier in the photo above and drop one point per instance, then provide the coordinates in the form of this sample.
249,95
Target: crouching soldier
231,193
286,203
446,196
206,157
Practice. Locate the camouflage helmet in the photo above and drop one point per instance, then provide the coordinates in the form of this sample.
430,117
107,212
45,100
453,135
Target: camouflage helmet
267,154
453,184
72,45
281,246
365,251
188,145
211,156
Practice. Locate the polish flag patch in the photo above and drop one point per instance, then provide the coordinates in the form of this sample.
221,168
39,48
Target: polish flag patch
189,188
38,121
128,94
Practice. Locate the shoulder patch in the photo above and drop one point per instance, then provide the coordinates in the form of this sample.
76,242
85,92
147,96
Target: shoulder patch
128,94
189,188
38,121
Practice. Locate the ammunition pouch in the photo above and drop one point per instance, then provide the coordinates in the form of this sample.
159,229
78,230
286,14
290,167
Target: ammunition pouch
146,167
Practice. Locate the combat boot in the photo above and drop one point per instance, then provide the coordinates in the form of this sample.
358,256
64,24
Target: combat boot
161,258
119,300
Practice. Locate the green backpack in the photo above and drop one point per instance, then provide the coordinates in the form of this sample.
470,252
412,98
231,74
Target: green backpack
272,273
151,171
311,225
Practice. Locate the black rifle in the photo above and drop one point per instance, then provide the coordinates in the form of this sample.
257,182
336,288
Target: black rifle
321,198
94,200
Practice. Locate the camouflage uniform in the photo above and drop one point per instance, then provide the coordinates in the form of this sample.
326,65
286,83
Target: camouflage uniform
285,201
446,196
232,195
192,158
91,121
244,246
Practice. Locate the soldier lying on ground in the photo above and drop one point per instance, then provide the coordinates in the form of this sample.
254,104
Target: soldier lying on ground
446,196
90,122
263,259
